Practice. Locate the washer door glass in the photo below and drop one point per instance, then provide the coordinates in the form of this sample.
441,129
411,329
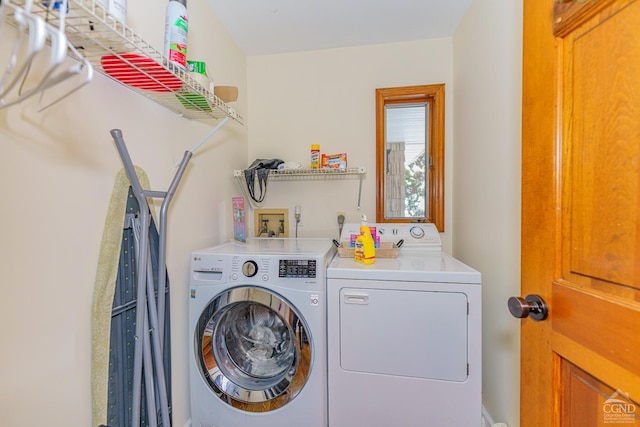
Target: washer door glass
253,348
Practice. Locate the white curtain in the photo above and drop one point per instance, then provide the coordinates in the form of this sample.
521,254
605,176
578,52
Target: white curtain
394,181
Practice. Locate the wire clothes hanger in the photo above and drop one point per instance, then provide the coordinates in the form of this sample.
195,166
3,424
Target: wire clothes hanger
19,63
82,69
54,75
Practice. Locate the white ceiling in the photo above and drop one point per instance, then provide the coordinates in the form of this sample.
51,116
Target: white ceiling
263,27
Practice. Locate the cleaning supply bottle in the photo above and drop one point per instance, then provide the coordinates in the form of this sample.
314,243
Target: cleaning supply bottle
175,32
365,249
315,156
116,8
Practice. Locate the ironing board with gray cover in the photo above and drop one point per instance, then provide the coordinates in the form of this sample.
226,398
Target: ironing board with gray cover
123,326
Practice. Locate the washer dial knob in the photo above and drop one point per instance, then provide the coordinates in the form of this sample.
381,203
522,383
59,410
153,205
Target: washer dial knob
249,268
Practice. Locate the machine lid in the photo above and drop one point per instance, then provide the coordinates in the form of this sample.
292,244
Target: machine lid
413,266
308,247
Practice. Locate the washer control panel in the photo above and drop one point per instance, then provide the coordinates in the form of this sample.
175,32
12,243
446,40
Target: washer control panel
237,268
280,263
297,268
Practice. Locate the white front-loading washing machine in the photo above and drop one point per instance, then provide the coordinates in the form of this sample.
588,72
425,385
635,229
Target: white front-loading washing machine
404,335
258,333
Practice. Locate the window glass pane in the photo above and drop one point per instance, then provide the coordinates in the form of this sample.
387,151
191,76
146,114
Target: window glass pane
407,145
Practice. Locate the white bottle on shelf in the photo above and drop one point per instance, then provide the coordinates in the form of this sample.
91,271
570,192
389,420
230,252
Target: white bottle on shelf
116,8
175,32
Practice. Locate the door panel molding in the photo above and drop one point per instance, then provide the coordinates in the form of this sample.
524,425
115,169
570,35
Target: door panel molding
602,368
576,316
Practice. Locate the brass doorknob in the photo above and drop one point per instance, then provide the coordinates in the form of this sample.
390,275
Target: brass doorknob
530,306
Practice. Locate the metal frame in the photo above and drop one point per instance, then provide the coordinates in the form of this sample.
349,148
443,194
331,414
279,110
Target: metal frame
149,325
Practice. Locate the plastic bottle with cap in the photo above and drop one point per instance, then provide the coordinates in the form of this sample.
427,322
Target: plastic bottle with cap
176,28
315,156
365,249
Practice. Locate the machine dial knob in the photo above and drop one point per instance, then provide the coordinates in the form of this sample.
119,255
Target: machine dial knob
416,232
249,268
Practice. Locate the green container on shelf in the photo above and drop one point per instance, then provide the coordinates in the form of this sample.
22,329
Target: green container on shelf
195,101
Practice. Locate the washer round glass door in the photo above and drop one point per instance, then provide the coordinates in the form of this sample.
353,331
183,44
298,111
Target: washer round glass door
253,348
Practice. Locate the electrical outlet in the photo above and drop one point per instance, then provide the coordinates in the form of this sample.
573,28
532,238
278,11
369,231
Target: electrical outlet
341,214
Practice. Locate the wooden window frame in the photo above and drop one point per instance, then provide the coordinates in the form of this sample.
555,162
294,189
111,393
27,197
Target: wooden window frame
434,95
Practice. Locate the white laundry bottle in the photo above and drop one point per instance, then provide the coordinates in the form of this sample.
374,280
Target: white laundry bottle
176,28
116,8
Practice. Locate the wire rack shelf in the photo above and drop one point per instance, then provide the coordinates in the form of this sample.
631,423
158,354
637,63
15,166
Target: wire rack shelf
117,52
309,174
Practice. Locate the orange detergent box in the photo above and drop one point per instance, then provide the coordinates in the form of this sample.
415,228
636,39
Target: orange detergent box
334,161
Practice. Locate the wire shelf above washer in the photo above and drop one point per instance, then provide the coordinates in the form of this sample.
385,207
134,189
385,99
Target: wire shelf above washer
309,174
302,175
116,51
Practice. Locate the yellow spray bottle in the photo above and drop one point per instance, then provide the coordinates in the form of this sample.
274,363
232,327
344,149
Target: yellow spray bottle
365,249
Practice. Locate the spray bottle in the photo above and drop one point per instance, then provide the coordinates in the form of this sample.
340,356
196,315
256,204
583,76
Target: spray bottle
175,32
365,249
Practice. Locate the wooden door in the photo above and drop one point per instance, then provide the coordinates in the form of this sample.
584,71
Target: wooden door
581,212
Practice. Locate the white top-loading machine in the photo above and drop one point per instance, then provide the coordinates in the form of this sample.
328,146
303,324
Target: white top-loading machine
404,335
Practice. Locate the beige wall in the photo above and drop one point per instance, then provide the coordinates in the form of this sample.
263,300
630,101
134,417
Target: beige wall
486,189
327,97
57,170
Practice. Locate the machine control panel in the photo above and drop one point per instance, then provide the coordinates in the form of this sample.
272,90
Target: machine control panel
423,235
297,268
